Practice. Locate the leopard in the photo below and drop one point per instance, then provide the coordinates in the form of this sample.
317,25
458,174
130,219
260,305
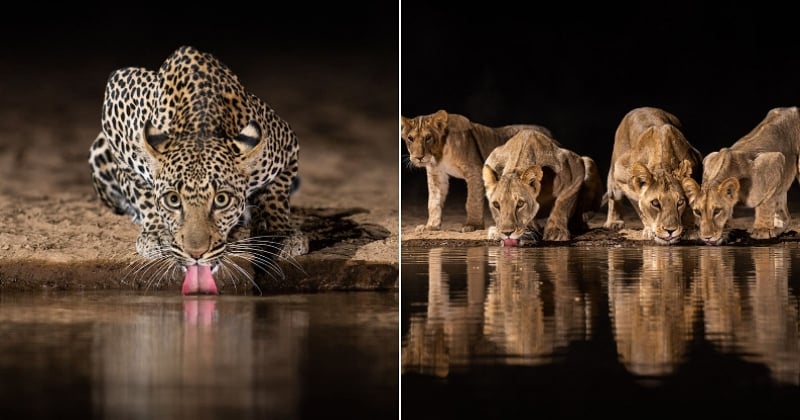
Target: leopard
451,145
204,167
650,158
755,172
533,176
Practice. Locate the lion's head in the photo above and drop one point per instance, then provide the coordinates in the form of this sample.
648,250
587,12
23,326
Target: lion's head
513,199
662,201
712,207
424,137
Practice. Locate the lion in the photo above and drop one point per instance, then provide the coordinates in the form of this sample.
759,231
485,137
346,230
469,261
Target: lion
757,172
451,145
532,175
649,160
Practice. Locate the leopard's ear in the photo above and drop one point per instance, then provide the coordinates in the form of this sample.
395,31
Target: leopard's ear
248,138
153,142
153,139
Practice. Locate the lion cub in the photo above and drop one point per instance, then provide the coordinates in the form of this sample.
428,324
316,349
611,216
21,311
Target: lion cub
756,171
532,175
650,158
451,145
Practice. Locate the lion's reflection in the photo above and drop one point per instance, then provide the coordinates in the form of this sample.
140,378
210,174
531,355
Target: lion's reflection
522,306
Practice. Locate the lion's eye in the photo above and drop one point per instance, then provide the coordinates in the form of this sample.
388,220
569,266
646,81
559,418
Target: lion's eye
428,138
717,212
680,203
520,204
496,205
171,200
655,204
222,200
697,213
411,139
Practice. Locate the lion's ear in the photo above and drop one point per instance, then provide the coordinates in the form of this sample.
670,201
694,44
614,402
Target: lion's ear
729,189
684,170
532,176
640,177
439,119
691,188
405,125
489,179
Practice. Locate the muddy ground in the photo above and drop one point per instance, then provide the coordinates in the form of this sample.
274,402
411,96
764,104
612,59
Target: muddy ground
55,234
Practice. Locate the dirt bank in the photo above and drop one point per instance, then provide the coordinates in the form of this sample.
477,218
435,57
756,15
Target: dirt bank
54,233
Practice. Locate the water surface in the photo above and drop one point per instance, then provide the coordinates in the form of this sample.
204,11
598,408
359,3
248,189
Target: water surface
572,331
121,355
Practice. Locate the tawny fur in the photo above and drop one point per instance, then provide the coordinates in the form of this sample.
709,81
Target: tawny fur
451,145
532,176
756,171
650,158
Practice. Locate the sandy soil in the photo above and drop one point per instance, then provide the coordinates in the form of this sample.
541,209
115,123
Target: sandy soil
54,233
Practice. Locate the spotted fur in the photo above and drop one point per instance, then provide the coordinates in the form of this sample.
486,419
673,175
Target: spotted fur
196,160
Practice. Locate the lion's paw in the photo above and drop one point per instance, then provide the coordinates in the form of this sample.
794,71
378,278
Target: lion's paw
493,234
647,234
426,228
556,234
616,225
764,233
470,227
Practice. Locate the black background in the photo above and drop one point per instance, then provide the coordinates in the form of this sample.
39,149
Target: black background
578,68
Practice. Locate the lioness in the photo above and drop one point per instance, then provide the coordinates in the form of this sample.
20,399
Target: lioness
451,145
530,173
650,158
756,171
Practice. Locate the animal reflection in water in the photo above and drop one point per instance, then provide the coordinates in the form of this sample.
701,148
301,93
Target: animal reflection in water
648,308
678,293
523,306
504,319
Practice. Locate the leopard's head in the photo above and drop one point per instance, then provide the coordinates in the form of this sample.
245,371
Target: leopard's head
425,137
199,195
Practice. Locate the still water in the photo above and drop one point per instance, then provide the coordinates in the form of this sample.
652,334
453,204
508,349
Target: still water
123,355
493,332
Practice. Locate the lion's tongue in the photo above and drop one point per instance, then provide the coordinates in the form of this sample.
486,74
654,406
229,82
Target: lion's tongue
199,280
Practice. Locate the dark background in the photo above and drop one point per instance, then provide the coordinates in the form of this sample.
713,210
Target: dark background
578,68
86,42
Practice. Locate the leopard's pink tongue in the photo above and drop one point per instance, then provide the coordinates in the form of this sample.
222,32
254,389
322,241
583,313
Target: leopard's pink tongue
199,280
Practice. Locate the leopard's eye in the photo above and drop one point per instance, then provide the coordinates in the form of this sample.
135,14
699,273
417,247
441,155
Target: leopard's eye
655,204
222,200
171,200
